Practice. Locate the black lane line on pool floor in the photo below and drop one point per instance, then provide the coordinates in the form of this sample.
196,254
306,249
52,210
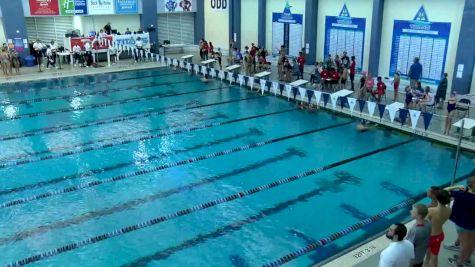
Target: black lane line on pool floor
120,118
236,226
150,198
92,172
162,167
61,87
112,138
99,146
199,207
107,104
91,92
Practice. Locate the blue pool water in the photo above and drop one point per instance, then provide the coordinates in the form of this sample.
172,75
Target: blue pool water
86,156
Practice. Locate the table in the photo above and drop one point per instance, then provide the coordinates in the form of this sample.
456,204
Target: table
165,46
233,67
262,75
62,54
187,58
298,83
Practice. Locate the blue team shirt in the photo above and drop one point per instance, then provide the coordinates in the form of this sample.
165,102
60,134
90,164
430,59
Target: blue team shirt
463,209
415,72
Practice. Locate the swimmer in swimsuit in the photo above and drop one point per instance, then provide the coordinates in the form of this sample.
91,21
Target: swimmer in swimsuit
438,216
451,104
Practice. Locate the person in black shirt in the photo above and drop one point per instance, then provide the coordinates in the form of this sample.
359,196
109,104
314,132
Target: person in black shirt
345,60
108,28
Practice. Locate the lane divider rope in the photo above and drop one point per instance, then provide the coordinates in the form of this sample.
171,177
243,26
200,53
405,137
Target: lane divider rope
199,207
161,167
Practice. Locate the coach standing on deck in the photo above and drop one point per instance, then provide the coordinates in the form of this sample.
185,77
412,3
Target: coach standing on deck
415,72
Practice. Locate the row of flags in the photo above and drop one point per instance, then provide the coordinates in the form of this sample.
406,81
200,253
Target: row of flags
310,96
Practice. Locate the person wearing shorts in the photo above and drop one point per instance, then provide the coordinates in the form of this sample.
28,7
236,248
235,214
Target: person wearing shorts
437,216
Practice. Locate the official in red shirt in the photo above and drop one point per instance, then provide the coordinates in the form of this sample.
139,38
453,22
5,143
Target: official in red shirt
380,89
334,76
301,61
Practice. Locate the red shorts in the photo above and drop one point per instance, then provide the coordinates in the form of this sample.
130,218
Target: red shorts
434,243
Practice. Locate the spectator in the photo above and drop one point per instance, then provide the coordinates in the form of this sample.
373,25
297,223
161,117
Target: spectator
108,28
301,62
139,52
38,47
437,216
127,31
441,91
415,72
76,54
380,89
396,81
451,104
325,75
463,215
345,60
400,252
419,234
54,50
418,90
49,56
334,76
88,49
352,72
15,60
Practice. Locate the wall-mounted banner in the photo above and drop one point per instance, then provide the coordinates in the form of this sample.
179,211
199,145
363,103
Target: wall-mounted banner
176,6
44,7
126,6
73,7
287,30
129,39
423,39
100,7
218,5
344,33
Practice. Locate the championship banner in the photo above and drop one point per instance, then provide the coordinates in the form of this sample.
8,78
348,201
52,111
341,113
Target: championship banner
44,7
101,7
287,29
97,43
126,6
73,7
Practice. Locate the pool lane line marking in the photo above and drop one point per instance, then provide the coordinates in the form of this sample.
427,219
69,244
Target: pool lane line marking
92,172
162,167
120,118
91,93
106,104
98,141
237,225
60,87
143,200
199,207
97,146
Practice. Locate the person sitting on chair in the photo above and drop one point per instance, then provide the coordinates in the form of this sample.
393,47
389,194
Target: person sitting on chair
427,100
380,90
139,53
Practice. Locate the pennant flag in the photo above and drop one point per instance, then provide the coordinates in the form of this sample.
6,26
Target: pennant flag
212,72
158,58
250,82
403,115
295,91
203,70
241,79
382,108
371,108
275,87
221,75
392,112
415,114
427,118
175,63
343,101
163,60
182,64
351,104
288,90
310,95
326,97
334,99
263,85
189,67
196,68
361,104
302,93
318,96
230,78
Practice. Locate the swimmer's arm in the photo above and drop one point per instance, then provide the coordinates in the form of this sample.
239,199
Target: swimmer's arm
455,187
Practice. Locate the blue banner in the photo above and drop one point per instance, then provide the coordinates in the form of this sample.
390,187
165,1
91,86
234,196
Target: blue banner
420,38
126,6
344,33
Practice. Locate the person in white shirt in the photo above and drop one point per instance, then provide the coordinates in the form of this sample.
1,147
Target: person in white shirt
49,56
76,54
113,53
400,252
38,47
139,52
54,50
88,49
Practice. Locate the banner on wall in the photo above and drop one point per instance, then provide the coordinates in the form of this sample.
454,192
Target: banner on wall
129,39
100,7
97,43
73,7
126,7
345,33
44,7
287,30
178,5
218,5
423,39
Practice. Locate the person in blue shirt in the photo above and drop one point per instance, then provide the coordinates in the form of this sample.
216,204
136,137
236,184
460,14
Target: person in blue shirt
415,72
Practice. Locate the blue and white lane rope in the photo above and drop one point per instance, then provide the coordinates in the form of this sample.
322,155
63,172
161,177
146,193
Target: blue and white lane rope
199,207
101,145
91,93
161,167
104,104
137,115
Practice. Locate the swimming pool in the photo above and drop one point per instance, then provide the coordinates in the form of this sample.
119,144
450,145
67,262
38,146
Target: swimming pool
119,170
